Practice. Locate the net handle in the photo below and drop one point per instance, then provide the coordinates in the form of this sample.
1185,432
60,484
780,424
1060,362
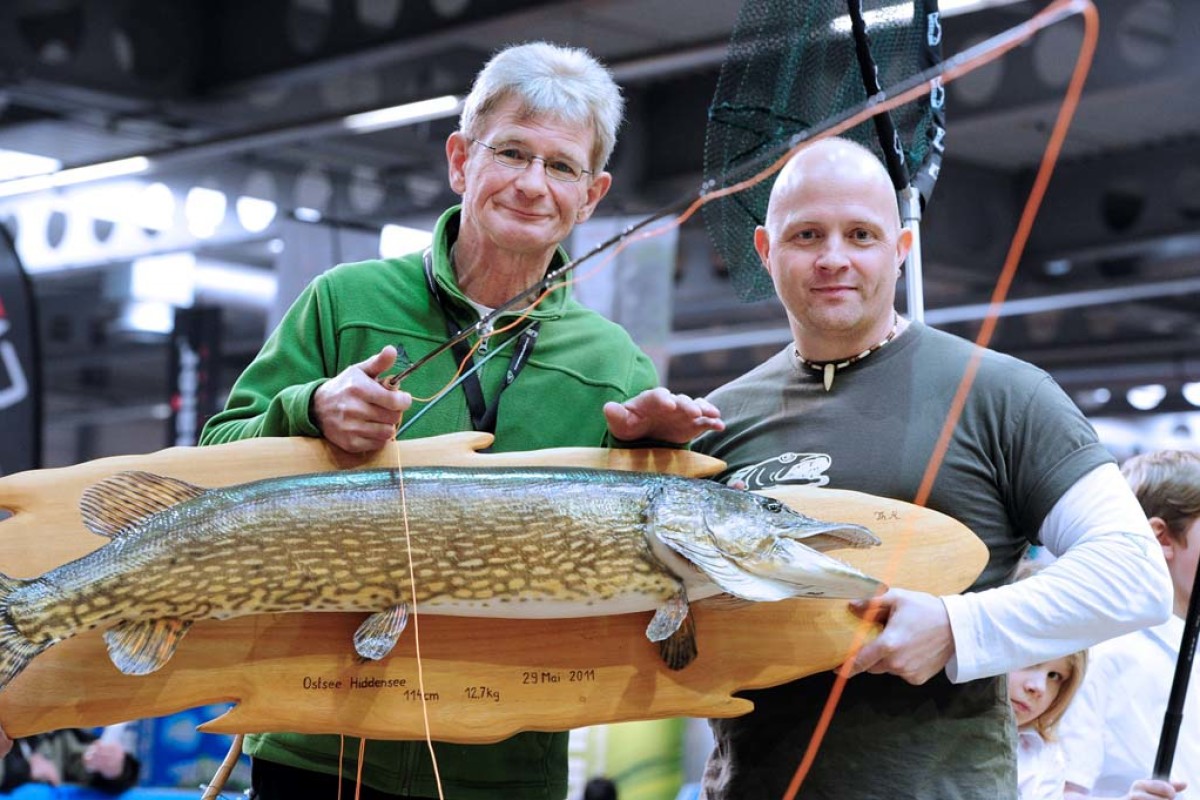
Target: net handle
885,128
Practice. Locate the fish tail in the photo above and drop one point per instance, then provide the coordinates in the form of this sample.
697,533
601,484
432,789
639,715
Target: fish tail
16,651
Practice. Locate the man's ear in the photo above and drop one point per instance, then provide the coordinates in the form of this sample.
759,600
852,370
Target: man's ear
762,245
1163,534
597,187
903,244
457,146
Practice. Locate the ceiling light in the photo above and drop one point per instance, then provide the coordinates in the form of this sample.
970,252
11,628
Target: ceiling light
1146,398
205,210
74,175
155,207
435,108
901,13
898,14
254,213
1191,392
15,164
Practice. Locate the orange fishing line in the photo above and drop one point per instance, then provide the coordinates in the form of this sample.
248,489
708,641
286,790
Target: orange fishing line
412,579
1070,103
1004,282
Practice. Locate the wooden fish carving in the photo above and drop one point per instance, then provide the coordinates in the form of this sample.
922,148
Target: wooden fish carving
510,543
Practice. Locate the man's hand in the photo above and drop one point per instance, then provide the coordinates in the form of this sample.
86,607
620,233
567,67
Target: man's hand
1155,790
106,758
916,641
354,411
659,414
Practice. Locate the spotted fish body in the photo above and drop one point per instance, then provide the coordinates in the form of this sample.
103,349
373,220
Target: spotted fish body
511,543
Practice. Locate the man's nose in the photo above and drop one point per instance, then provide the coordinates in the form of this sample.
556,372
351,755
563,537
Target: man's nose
533,178
833,254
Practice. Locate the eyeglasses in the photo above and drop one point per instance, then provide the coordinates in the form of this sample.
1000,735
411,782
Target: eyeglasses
513,157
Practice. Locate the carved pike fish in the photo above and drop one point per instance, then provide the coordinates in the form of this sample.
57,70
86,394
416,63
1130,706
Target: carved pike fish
535,543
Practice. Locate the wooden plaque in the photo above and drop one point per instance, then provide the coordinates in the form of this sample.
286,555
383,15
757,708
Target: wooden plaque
479,680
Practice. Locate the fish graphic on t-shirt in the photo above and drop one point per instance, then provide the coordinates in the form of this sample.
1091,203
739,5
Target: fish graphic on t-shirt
807,469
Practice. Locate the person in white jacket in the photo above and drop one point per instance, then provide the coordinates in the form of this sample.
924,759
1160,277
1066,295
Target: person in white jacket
1111,733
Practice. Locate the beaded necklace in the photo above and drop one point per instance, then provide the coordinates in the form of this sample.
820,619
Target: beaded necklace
829,368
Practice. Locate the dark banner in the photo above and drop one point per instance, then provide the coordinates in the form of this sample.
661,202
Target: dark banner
195,357
20,379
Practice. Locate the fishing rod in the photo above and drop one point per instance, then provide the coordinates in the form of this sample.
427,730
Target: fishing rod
1173,717
760,167
475,367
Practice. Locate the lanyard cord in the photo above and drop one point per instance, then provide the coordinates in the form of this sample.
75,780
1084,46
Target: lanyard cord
483,416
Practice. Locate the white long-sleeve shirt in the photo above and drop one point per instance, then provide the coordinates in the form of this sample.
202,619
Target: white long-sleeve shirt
1110,733
1109,578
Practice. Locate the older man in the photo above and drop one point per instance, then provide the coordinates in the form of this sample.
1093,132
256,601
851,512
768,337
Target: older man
528,160
869,392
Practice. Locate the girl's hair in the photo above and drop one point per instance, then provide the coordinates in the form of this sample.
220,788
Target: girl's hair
1049,718
1076,661
1167,484
564,83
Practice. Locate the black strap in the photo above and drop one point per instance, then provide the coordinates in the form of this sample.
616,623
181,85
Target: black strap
483,416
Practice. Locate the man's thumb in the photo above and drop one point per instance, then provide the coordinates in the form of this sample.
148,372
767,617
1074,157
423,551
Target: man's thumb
876,609
379,363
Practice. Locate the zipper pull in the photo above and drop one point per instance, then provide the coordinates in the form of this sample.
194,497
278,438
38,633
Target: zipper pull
485,335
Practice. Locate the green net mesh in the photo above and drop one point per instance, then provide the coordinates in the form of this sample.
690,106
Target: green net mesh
792,66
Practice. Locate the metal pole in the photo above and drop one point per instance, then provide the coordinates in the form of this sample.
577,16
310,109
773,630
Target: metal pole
910,218
1173,717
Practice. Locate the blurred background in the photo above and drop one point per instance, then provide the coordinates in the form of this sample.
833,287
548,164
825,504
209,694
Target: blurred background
171,174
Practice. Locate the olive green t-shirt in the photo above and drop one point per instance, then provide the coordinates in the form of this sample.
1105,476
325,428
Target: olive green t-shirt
1018,446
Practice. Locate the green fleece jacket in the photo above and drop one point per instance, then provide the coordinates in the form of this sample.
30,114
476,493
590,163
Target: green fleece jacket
580,361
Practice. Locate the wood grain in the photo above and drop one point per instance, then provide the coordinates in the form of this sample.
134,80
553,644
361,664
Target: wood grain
479,679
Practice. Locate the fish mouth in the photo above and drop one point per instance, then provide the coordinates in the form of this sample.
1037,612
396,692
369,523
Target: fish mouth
810,572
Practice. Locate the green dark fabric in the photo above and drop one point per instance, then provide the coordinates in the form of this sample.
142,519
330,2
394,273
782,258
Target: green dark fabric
348,314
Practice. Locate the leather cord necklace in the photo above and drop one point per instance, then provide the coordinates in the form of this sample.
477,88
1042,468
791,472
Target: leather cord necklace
829,368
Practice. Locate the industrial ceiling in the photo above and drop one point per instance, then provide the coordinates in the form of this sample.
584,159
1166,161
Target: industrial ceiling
251,98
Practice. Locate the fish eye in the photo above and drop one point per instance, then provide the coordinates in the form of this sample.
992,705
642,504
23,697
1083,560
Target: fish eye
774,506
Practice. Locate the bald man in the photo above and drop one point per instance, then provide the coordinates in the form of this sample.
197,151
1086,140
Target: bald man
857,401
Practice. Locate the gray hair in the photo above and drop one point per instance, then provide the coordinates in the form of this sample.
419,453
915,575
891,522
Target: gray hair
565,83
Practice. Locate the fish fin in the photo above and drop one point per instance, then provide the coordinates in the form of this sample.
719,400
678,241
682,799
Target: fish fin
724,571
16,651
669,616
679,649
139,648
114,504
379,632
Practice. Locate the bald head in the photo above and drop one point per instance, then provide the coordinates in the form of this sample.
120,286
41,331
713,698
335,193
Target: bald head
831,164
833,245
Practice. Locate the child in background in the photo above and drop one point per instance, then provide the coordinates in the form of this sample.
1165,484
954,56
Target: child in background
1040,695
